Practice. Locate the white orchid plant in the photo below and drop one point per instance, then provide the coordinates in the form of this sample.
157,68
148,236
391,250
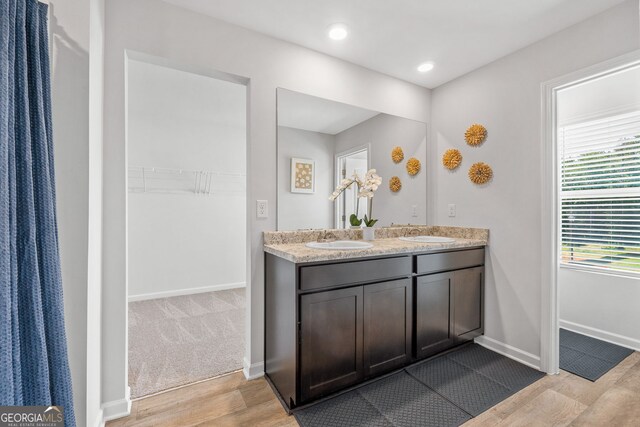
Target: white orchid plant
366,189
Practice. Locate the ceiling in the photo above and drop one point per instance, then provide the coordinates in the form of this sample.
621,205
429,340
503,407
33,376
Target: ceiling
299,111
394,37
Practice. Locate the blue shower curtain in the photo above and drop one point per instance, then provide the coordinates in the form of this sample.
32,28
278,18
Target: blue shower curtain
34,368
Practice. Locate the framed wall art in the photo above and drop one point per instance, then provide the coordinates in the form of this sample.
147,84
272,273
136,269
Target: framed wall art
303,176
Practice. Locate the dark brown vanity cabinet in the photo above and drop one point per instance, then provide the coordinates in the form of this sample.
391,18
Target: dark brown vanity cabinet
468,290
330,325
449,294
331,337
434,314
449,309
387,326
350,334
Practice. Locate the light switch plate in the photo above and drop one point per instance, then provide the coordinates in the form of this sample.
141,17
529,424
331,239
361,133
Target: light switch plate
262,209
452,210
414,211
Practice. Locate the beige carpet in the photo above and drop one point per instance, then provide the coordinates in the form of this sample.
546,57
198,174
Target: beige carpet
180,340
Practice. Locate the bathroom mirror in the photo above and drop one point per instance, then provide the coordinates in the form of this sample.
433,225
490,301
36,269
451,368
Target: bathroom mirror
320,141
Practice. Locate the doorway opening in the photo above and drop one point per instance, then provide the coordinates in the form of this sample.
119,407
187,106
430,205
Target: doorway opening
591,214
186,226
348,163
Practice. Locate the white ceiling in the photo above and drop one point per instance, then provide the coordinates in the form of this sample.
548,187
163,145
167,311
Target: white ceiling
299,111
393,37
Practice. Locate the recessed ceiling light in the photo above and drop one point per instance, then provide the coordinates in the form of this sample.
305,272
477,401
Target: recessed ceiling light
338,32
426,66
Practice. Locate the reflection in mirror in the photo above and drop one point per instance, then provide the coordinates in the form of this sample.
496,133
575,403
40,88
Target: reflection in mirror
321,142
348,163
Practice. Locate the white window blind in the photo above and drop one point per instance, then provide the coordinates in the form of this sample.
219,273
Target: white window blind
600,193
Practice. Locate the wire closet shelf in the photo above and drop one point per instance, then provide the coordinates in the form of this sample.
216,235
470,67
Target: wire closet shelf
182,181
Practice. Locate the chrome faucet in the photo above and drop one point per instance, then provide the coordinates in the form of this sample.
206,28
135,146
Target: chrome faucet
326,236
415,231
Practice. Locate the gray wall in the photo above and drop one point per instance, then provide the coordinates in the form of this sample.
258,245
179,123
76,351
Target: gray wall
384,132
600,306
300,210
505,97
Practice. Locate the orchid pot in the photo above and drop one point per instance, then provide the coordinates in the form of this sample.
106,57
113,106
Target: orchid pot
368,233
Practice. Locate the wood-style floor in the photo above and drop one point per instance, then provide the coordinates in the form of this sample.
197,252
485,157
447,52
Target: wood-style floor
556,400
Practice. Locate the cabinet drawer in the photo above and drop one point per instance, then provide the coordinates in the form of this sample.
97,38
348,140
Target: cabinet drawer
431,263
345,273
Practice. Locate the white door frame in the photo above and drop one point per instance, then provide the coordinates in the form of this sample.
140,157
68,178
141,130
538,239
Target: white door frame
549,333
337,176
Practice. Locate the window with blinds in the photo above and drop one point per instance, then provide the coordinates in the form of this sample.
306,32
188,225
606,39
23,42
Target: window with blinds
600,193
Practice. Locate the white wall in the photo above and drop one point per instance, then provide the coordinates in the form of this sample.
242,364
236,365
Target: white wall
198,41
76,39
384,132
94,412
605,306
181,243
505,96
301,210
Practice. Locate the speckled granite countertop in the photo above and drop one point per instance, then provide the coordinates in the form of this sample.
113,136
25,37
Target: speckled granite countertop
290,245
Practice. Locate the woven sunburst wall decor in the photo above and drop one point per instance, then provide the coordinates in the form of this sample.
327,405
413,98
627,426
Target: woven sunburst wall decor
451,159
395,184
475,135
413,166
397,155
480,173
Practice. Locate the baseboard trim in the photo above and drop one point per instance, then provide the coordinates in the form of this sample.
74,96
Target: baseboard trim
609,337
99,421
509,351
117,408
179,292
252,371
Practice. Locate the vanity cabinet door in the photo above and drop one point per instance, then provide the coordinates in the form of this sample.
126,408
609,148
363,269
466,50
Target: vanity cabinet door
387,326
469,301
434,313
331,336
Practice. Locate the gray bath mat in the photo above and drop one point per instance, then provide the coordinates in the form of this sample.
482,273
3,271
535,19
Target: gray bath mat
446,391
349,409
588,357
474,378
397,400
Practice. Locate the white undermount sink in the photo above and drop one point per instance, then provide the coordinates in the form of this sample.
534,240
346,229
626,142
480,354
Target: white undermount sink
428,239
340,245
